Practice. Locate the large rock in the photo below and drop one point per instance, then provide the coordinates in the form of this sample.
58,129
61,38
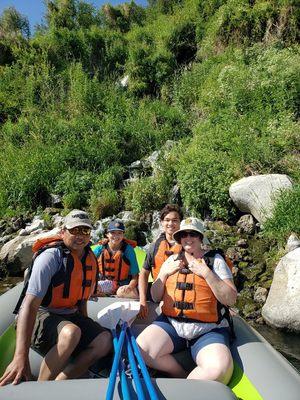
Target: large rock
257,194
282,308
17,253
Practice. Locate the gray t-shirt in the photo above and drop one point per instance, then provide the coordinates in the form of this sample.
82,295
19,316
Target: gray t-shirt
44,268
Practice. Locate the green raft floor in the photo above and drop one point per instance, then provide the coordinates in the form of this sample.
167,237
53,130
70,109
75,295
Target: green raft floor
239,383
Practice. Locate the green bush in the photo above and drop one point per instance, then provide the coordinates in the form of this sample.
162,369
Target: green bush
147,194
75,188
105,203
285,217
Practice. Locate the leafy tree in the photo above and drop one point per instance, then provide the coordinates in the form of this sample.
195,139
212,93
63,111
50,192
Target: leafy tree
13,24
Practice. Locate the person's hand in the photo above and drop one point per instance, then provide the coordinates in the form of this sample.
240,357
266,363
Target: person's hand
17,370
199,267
170,267
124,290
144,311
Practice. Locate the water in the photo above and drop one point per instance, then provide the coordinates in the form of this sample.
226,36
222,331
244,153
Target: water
287,343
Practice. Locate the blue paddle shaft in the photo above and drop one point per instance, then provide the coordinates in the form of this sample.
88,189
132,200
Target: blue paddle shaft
146,376
114,369
123,377
134,369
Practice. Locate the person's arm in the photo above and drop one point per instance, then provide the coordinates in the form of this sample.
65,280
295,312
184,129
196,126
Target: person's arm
143,282
169,267
143,285
19,368
224,289
134,267
133,282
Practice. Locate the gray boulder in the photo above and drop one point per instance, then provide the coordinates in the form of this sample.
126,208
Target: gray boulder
17,253
282,308
257,194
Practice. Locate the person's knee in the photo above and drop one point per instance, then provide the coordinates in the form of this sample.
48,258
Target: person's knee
102,344
221,370
70,335
147,347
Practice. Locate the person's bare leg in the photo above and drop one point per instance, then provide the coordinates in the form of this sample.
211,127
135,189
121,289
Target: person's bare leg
214,363
157,353
98,348
57,358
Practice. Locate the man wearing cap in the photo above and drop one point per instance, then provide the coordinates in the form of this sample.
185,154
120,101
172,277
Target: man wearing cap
53,315
117,262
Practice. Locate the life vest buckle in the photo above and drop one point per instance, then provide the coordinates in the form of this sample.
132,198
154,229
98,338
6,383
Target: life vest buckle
185,271
184,286
183,305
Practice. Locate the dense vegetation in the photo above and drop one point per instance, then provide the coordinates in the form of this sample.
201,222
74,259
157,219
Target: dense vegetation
220,78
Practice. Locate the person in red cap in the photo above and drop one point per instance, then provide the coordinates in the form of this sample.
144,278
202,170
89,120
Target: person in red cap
53,307
117,263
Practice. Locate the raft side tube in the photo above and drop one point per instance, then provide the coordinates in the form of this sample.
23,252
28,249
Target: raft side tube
95,389
272,375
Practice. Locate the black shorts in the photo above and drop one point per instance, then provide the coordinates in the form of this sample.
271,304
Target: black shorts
48,326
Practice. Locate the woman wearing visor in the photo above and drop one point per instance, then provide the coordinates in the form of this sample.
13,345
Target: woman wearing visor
196,288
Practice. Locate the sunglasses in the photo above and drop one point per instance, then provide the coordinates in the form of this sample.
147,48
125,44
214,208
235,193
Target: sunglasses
192,234
80,231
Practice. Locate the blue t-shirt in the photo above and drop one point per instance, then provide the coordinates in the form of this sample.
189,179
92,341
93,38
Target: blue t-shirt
129,254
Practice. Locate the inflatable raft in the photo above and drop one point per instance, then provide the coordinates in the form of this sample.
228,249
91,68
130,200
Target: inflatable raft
260,372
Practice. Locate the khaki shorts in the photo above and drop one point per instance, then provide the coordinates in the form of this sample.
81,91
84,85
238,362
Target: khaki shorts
48,326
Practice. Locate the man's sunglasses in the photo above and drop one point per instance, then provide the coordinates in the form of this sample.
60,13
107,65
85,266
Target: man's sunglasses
80,231
192,234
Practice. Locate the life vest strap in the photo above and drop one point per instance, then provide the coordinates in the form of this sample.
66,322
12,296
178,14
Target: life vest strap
169,253
86,283
183,305
109,269
184,286
185,271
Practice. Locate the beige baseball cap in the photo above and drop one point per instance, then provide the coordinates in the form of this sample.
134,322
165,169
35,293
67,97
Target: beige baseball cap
77,218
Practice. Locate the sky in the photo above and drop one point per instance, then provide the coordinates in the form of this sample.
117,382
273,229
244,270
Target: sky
35,9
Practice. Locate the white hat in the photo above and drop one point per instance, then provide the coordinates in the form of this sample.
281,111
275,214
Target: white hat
190,224
77,218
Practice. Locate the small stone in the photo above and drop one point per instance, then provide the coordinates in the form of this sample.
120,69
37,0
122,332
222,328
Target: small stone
260,295
246,224
292,243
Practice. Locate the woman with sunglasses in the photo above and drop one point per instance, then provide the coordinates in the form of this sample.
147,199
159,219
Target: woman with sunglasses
196,288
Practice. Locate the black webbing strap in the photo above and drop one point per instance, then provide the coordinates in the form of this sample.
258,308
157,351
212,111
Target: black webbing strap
183,305
184,286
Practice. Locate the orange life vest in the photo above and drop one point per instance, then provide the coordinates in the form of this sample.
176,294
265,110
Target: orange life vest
74,281
114,266
188,296
161,252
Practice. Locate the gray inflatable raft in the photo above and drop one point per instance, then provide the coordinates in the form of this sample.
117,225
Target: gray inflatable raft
260,372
